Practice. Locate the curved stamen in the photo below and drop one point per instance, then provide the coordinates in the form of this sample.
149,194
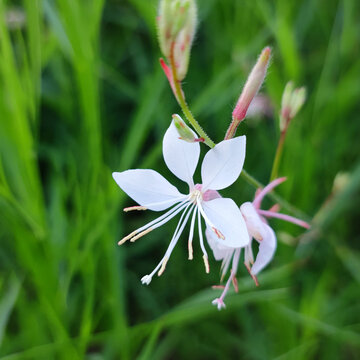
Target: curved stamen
178,231
157,222
284,217
259,197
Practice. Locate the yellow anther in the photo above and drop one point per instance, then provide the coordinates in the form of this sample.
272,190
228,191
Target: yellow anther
141,234
127,237
206,262
190,248
163,266
131,208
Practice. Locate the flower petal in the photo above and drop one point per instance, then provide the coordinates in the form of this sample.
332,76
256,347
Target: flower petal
266,251
220,251
255,225
222,165
148,188
180,156
226,217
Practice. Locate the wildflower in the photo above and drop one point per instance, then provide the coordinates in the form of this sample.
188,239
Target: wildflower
259,230
220,168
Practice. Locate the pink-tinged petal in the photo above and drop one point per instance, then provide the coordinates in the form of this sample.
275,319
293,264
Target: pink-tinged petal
148,188
266,251
226,217
256,227
222,165
180,156
220,251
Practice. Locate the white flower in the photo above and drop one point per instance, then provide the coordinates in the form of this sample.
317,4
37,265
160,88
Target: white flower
220,168
259,230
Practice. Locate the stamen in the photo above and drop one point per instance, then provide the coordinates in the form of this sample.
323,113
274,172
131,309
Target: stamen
206,262
205,256
158,221
235,284
207,220
146,206
253,276
126,238
141,234
191,235
131,208
163,266
178,231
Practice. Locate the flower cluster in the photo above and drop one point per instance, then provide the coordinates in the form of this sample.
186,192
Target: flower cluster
229,228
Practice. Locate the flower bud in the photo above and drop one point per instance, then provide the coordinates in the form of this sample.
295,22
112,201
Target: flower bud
252,85
176,29
291,102
184,131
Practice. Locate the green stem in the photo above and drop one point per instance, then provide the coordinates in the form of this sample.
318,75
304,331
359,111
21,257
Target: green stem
278,154
184,107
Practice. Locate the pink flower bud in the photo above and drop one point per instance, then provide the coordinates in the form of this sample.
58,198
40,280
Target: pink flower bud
252,85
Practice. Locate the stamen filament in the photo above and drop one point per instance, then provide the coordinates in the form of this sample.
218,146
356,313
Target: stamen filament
158,221
191,235
131,208
206,262
146,206
207,269
141,234
163,266
178,231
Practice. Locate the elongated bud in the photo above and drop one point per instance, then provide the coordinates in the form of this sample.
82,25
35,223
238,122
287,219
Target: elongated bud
176,29
291,102
185,133
252,85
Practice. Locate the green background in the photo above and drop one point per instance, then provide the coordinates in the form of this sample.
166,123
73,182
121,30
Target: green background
82,95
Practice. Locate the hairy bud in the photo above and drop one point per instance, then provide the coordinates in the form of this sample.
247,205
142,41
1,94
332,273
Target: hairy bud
176,29
252,85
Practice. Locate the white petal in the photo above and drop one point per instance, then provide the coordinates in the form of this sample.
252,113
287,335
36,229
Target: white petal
256,227
227,218
148,188
266,251
180,156
220,251
222,165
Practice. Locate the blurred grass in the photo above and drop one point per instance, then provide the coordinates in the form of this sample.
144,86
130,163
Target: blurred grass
83,95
